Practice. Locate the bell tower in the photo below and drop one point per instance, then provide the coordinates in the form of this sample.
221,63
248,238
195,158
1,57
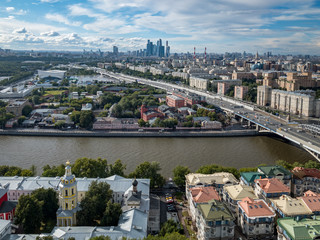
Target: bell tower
66,214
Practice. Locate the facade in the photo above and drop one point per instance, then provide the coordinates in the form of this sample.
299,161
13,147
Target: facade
225,85
240,91
214,221
287,206
233,194
199,83
294,229
148,113
300,102
270,188
175,101
68,202
256,219
189,98
243,75
305,179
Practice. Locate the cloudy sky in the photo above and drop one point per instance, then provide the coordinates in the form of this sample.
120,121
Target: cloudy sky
280,26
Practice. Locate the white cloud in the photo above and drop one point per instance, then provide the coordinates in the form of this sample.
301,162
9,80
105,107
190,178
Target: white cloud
50,34
61,19
10,9
49,1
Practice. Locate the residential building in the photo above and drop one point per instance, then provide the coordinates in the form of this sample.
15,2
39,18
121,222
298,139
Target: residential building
217,180
240,91
189,98
235,193
312,201
256,219
296,228
198,83
243,75
248,178
278,172
300,102
270,188
287,206
305,179
225,85
214,221
5,228
201,195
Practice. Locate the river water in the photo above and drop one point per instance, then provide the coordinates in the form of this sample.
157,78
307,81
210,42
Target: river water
192,152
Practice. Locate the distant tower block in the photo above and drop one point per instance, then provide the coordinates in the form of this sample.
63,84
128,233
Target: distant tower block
205,54
194,53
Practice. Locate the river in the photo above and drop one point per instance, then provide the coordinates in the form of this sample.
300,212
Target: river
192,152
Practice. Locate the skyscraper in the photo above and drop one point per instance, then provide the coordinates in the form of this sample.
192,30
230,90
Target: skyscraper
167,49
115,50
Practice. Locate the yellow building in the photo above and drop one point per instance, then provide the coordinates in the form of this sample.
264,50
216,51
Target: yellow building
66,214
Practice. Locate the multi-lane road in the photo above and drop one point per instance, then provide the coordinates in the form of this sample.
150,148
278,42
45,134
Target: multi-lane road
264,120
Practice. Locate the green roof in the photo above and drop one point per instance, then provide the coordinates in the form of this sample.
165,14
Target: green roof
274,170
251,176
305,229
214,211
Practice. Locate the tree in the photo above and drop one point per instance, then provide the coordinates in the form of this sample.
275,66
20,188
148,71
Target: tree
21,120
90,168
26,110
50,204
59,124
168,236
210,169
100,238
94,204
35,99
86,119
142,123
53,171
111,214
179,173
29,214
170,226
117,168
151,171
75,116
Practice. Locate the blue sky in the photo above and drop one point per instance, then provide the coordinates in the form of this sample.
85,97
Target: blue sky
280,26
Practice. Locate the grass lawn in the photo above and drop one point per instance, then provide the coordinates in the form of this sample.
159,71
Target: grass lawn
53,92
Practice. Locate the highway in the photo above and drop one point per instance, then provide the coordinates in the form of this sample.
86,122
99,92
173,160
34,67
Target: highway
267,121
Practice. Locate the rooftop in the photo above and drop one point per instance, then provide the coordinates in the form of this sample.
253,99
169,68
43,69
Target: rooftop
204,194
251,176
214,211
238,192
272,185
274,170
256,208
291,206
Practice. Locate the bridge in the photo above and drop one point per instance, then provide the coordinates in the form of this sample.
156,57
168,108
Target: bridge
244,111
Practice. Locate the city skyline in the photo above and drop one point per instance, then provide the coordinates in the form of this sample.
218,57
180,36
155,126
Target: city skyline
283,27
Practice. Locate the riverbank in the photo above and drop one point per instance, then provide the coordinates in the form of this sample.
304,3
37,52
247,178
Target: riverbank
78,133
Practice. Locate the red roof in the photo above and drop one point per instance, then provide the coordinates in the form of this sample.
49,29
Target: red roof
255,208
306,172
204,194
312,200
272,185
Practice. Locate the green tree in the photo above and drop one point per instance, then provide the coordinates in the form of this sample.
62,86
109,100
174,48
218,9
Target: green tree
100,238
170,226
49,199
94,204
179,173
149,170
141,123
59,124
117,168
29,214
21,120
35,99
86,119
210,169
54,171
26,110
111,214
75,117
91,168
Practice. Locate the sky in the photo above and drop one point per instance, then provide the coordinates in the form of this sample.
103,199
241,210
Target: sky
279,26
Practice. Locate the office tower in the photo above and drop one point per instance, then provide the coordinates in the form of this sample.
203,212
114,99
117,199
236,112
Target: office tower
115,50
167,49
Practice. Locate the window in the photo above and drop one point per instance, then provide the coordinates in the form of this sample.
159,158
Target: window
72,191
66,205
66,192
